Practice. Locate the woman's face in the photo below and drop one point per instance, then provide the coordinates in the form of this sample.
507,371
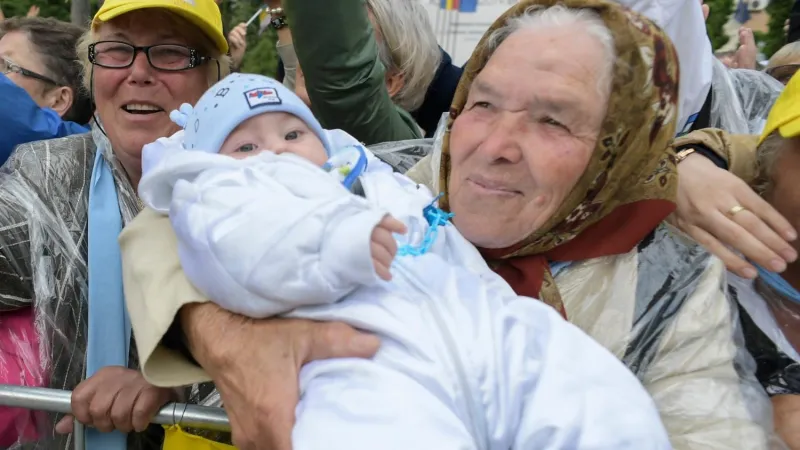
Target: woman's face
18,49
526,134
134,103
784,194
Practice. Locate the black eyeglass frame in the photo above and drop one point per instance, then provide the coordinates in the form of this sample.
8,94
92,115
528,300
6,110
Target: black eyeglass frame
11,66
195,59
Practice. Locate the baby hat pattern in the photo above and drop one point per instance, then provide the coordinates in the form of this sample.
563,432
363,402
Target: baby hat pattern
231,101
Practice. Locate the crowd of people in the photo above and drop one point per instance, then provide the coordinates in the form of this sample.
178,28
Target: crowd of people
586,237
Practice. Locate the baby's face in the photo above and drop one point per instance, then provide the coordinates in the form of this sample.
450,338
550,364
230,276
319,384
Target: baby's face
277,132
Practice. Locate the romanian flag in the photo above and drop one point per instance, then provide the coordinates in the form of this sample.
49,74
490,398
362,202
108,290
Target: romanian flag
459,5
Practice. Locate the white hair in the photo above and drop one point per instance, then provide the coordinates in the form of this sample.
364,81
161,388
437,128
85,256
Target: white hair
538,17
407,47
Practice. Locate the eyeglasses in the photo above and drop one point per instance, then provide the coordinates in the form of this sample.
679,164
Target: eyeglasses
166,57
9,67
783,73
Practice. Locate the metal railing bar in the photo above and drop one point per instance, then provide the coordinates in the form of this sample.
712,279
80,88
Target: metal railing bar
57,401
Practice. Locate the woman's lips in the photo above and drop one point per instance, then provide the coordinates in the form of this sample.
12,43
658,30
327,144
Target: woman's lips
492,187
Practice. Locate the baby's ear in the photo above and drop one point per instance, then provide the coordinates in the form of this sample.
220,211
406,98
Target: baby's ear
181,115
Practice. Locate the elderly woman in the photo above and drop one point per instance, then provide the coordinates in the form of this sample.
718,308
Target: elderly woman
41,83
364,64
556,164
771,303
64,201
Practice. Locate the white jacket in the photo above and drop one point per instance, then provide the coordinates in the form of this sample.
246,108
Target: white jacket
464,362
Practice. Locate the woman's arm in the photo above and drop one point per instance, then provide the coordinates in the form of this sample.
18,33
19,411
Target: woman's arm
338,51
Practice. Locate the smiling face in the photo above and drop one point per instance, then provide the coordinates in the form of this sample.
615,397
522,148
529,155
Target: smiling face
278,132
134,103
526,133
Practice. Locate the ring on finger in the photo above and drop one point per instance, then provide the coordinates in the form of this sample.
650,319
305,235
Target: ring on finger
736,210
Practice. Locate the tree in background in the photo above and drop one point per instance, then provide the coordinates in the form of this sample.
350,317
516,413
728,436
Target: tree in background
775,37
720,12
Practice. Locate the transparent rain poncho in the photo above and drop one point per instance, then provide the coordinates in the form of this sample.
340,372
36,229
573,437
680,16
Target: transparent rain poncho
741,99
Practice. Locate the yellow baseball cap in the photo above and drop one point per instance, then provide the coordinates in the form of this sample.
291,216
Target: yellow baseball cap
202,13
785,113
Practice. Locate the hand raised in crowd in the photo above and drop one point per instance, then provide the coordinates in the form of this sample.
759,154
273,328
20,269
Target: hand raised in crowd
116,398
237,39
33,11
383,247
747,54
719,210
257,372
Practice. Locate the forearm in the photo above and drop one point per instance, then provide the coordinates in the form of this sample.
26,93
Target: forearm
786,410
203,326
737,151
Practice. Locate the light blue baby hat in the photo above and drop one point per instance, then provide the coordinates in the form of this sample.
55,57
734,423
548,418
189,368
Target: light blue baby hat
233,100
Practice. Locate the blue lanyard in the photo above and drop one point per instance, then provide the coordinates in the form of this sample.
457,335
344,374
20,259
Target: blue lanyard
778,284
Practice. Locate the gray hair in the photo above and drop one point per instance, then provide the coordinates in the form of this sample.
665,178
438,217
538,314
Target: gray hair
407,47
767,155
539,17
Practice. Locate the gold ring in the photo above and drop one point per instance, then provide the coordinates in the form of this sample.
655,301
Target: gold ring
736,210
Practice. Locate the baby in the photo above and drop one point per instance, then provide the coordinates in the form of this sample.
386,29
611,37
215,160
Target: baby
260,198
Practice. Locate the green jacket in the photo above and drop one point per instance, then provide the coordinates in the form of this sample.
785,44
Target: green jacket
345,79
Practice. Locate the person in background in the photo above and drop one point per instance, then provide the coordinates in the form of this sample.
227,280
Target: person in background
41,83
785,62
367,64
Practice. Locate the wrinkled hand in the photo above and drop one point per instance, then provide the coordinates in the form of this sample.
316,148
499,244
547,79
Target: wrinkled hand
383,247
33,11
255,365
237,39
116,398
747,53
706,194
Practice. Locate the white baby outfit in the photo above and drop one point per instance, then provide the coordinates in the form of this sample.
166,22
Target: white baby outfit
464,362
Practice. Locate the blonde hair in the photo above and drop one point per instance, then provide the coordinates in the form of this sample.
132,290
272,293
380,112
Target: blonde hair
407,47
197,38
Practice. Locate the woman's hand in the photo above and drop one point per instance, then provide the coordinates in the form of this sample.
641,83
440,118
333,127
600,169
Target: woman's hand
116,398
255,365
707,196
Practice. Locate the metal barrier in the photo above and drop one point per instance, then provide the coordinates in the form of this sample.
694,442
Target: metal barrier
56,401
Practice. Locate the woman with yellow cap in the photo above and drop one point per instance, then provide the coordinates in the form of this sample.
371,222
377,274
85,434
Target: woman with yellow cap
771,303
63,203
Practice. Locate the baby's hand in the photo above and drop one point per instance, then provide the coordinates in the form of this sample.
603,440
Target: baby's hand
383,247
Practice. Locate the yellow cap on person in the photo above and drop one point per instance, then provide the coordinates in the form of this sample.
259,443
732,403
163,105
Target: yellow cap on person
784,116
204,14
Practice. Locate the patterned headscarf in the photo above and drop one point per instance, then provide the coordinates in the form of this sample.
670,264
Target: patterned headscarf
630,184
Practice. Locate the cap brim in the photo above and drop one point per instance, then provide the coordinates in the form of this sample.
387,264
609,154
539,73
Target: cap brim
790,129
216,37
